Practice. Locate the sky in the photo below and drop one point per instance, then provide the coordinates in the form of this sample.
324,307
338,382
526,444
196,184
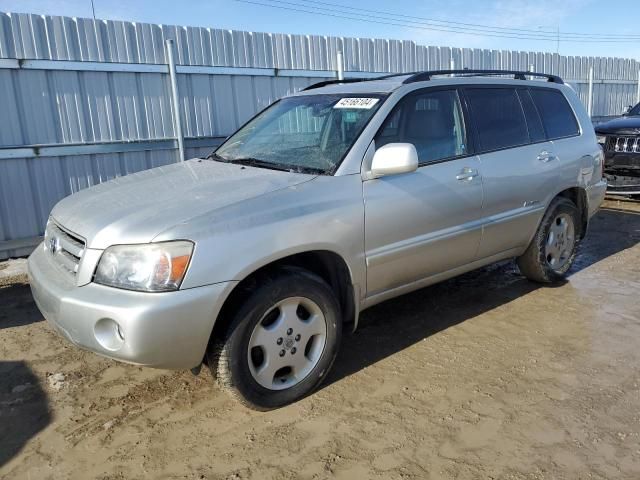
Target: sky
540,17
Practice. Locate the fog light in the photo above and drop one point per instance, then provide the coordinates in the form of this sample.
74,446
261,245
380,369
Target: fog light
109,334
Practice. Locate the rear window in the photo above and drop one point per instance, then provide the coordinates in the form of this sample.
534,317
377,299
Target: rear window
498,118
557,117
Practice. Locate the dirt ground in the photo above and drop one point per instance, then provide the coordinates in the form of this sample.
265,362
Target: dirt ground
483,376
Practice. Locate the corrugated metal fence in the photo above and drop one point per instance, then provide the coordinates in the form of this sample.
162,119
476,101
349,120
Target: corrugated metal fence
85,101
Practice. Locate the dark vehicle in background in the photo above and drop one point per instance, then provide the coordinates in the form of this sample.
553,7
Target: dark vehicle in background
620,139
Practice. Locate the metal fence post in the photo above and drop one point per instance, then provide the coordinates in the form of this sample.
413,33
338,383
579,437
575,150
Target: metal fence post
177,118
590,94
340,65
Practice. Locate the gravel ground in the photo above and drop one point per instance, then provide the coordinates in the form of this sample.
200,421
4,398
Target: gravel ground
483,376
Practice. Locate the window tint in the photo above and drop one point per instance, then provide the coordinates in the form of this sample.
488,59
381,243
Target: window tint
534,124
390,129
498,117
557,116
431,121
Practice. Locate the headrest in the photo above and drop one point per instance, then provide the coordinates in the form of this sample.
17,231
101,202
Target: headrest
429,124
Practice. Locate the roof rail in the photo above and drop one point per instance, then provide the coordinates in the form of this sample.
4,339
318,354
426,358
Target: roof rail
518,75
426,75
324,83
386,76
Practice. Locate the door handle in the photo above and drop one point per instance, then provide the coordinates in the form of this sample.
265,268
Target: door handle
546,157
467,174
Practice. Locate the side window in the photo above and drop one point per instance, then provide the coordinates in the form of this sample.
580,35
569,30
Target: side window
498,117
557,116
390,132
431,121
534,124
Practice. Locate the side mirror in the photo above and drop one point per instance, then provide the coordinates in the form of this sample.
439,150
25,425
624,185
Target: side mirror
627,110
393,159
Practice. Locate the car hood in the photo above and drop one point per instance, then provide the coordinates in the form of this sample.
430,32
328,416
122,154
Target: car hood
622,125
137,207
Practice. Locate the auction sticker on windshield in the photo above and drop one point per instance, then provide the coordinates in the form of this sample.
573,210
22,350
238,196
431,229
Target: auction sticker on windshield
365,103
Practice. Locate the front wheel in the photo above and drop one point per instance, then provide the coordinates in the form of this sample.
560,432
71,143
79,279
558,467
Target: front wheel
281,342
553,248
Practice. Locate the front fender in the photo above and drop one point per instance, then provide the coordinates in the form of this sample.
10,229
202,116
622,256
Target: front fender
326,213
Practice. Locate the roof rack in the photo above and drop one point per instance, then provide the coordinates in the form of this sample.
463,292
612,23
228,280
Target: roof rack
324,83
426,75
518,75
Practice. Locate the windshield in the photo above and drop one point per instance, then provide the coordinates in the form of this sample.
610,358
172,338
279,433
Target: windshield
309,133
635,110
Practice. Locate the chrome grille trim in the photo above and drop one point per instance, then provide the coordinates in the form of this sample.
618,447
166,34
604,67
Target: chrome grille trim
65,247
623,144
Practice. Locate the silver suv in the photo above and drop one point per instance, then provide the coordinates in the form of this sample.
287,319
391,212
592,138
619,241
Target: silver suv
255,259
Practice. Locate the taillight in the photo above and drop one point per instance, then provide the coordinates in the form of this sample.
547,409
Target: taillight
599,163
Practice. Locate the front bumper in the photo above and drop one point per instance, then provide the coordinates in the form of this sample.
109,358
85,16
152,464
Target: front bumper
621,161
163,330
626,184
622,170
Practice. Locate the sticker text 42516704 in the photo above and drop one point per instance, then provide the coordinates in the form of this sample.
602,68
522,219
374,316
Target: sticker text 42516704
353,102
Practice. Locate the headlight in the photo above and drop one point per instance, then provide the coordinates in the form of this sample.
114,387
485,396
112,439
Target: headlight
47,235
601,139
151,267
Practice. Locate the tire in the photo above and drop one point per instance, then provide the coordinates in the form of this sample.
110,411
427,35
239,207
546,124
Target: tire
543,261
281,343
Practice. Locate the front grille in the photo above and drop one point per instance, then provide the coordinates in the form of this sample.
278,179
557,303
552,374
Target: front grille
66,248
623,144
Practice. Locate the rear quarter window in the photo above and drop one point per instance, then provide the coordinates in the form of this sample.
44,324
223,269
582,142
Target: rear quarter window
557,117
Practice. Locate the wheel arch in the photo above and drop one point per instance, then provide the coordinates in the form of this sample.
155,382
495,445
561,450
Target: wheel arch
578,196
327,264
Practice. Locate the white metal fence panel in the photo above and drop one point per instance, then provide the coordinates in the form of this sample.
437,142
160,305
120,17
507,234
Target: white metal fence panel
85,101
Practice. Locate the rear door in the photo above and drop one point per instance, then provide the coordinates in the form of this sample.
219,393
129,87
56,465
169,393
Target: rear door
562,129
518,165
429,221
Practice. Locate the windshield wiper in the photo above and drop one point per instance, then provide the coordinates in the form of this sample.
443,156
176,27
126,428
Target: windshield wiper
255,162
285,167
215,156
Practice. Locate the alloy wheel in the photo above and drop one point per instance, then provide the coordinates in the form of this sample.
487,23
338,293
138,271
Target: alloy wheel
287,343
560,242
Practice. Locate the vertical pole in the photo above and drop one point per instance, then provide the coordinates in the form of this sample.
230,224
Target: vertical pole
638,91
177,119
590,97
340,65
557,72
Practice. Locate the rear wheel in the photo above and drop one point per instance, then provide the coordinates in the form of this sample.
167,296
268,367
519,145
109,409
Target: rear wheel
553,248
281,342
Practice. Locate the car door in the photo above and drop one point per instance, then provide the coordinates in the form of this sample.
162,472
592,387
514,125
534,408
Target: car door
518,165
562,129
426,222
